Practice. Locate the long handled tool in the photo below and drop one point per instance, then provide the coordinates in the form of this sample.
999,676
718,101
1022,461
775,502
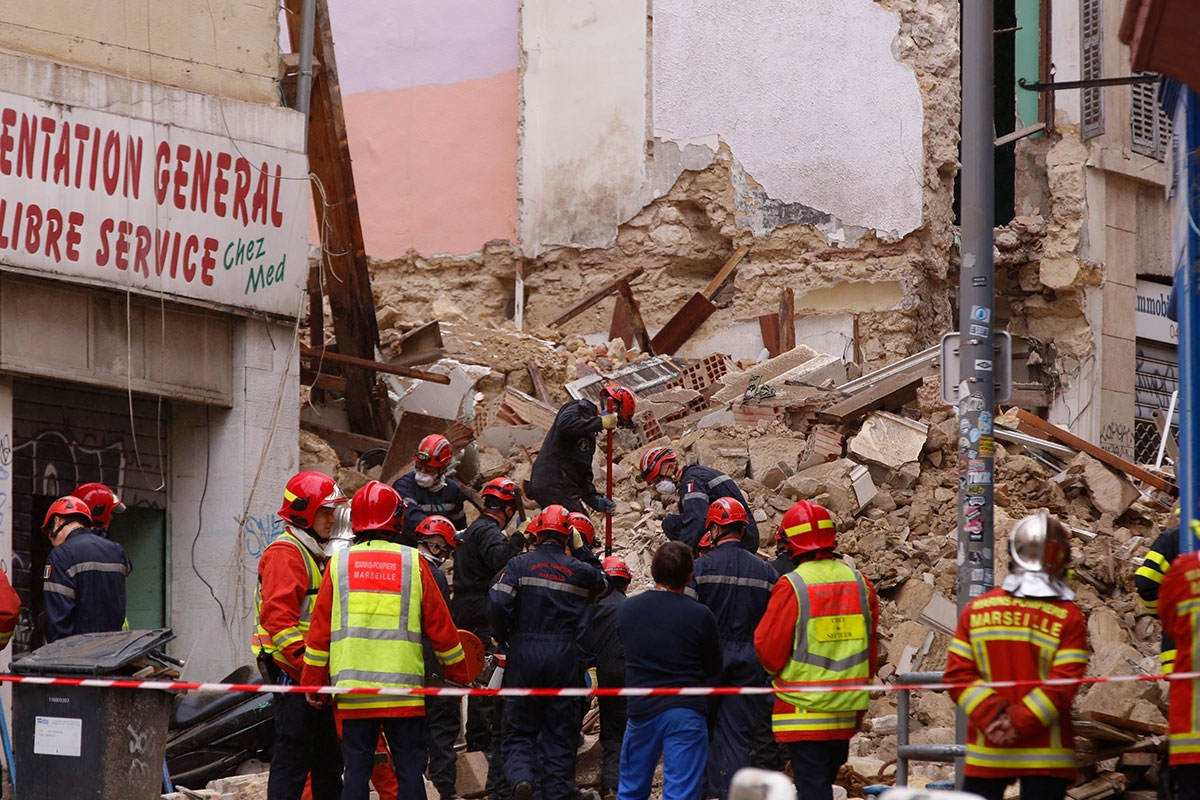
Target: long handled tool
608,494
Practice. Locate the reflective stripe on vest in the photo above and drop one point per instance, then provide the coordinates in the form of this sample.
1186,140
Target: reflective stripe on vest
831,644
980,754
264,642
375,623
1187,743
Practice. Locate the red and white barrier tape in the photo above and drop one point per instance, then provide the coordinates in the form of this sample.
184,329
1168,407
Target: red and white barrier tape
456,691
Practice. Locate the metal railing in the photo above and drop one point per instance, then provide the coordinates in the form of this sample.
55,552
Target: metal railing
905,752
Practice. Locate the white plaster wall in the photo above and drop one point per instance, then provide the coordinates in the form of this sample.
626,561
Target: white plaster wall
809,96
583,127
1067,54
217,455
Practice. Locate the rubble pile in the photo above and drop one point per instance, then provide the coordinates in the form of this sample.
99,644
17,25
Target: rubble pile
881,457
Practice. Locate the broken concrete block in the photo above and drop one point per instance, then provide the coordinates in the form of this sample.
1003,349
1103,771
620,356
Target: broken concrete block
773,477
821,370
1118,699
889,440
1110,492
865,766
832,479
823,444
1104,628
864,487
472,773
735,384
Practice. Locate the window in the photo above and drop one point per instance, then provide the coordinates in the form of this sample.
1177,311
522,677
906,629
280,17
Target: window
1149,125
1092,100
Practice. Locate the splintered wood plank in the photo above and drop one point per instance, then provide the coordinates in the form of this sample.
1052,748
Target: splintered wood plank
595,297
681,326
889,394
1128,724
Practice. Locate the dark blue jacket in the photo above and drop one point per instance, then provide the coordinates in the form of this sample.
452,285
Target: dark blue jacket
736,587
84,586
698,487
543,593
602,642
670,640
420,503
562,471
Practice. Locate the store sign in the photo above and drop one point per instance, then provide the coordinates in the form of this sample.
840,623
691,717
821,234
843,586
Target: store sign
1151,320
152,206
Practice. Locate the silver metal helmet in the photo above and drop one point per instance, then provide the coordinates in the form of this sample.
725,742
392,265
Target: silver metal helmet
1038,543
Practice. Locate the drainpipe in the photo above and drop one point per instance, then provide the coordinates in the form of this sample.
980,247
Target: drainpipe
308,18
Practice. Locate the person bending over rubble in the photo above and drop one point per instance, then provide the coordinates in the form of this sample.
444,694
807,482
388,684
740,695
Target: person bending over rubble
1027,630
697,487
562,471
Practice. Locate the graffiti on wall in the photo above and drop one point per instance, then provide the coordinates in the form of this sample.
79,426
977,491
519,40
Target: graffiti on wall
61,461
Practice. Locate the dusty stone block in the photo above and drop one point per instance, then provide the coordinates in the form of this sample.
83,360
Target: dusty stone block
889,440
472,773
1110,493
1117,658
1104,628
824,444
773,477
865,766
734,384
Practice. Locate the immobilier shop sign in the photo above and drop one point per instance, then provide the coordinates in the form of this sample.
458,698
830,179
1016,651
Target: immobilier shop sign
151,206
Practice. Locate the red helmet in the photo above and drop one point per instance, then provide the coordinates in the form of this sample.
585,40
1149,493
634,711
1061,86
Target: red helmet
101,501
618,399
305,493
653,461
377,507
807,527
437,525
553,520
725,511
705,544
615,567
435,451
582,523
503,489
67,507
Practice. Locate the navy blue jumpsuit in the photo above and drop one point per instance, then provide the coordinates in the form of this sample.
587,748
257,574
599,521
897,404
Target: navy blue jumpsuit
537,608
562,471
84,585
698,487
441,713
736,587
604,644
420,502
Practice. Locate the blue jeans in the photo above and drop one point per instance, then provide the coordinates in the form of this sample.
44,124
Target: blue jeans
680,737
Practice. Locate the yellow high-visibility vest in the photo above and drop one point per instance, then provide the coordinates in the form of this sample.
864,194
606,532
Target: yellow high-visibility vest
264,642
831,645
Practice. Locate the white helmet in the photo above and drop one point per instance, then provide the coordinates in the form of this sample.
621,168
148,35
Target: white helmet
1039,548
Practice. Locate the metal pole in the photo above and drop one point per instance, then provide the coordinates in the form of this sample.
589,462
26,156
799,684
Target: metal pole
976,389
1189,320
308,18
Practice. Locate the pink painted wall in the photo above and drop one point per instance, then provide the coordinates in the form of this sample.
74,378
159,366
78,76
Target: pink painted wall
430,95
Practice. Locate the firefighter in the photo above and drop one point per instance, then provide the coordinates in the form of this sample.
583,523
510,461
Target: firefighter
483,550
604,644
562,471
427,490
819,628
536,609
289,575
1179,602
83,587
388,601
697,487
583,524
1028,630
1148,579
435,543
102,503
736,586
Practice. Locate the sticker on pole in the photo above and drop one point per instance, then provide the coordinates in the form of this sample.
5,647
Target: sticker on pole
57,736
1000,369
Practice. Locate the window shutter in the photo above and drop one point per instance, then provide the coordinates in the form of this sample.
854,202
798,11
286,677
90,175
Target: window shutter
1149,125
1092,111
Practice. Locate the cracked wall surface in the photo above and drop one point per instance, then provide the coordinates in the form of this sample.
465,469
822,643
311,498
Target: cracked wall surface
881,275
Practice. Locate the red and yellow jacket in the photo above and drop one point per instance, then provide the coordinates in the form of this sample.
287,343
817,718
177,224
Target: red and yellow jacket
10,610
289,575
1179,610
1006,638
371,616
783,645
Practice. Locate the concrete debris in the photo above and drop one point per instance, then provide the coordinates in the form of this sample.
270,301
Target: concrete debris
887,477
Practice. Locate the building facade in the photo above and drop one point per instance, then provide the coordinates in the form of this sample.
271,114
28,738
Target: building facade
154,203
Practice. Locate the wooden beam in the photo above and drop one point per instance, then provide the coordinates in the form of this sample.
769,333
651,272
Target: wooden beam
768,326
344,260
634,314
345,439
322,380
723,274
369,365
1132,470
889,394
539,386
787,321
595,297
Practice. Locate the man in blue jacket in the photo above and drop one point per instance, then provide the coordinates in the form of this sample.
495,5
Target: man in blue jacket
736,586
427,490
537,610
84,582
697,487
